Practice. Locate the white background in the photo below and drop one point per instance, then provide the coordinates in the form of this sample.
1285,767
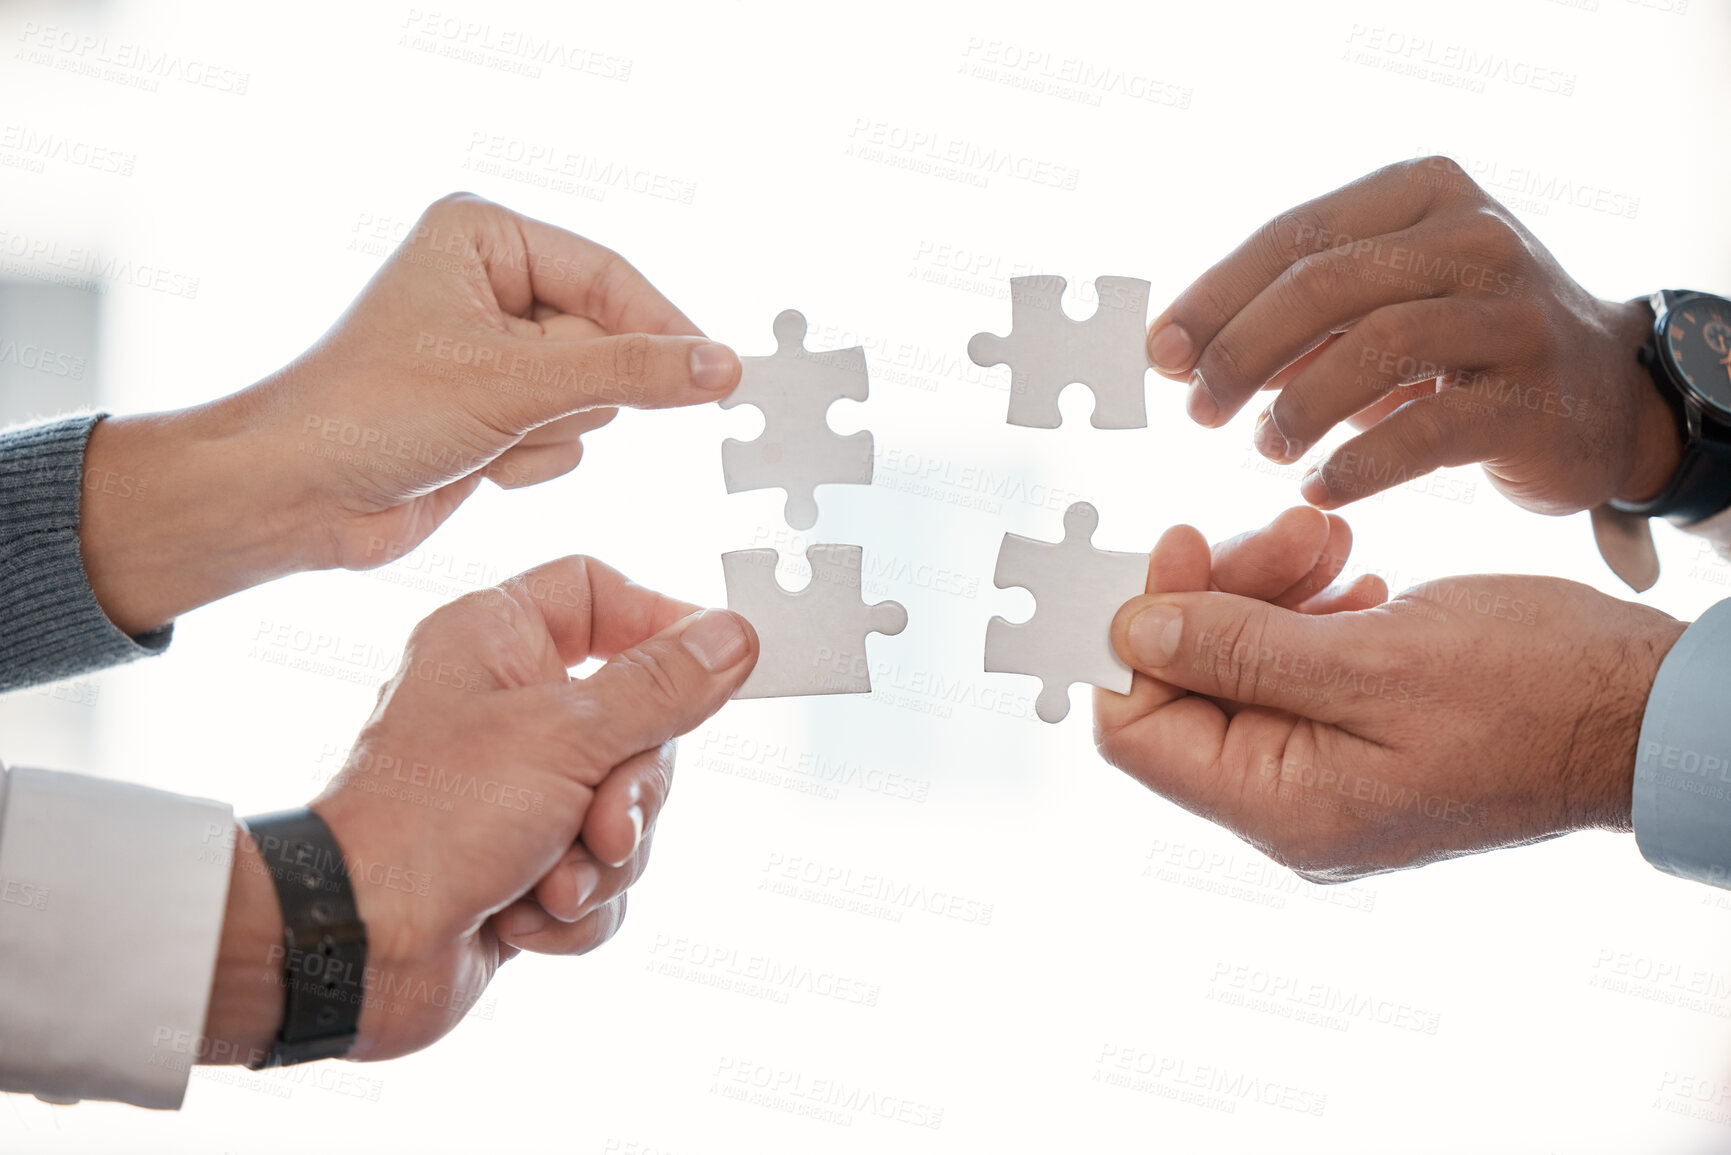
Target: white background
1039,918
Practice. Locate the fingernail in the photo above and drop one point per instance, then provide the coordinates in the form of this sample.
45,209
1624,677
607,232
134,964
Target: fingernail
1267,438
586,877
1154,634
712,365
1171,348
715,639
635,817
1204,410
1312,488
528,919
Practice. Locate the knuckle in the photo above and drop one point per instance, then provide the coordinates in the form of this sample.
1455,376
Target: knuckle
630,358
1246,640
652,682
1494,238
1227,359
1320,276
1291,235
1386,336
453,200
1442,177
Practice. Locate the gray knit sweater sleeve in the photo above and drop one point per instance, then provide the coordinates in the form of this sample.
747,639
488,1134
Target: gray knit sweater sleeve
51,626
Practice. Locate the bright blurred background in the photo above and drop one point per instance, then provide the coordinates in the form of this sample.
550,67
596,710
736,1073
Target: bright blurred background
960,922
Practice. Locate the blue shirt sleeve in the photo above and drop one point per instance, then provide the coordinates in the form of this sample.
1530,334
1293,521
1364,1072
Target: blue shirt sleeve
1682,802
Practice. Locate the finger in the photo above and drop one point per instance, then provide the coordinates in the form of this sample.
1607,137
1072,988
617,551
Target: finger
627,803
1246,651
1393,400
1428,433
1290,372
1266,563
1401,344
527,465
590,609
1386,201
1319,294
576,275
1178,563
1329,562
526,926
648,693
581,882
1363,592
569,428
545,379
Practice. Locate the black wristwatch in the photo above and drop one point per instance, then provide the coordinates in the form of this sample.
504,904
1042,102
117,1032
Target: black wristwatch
324,939
1689,355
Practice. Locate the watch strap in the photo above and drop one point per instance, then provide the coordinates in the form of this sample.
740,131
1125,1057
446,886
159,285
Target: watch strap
324,939
1701,485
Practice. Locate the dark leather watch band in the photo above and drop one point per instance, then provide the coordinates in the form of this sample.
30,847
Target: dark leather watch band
324,939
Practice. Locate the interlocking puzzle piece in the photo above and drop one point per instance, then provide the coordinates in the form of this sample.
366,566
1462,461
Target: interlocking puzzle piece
811,641
1047,351
1077,591
798,451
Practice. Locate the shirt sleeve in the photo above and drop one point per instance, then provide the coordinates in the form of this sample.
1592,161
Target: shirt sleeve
111,908
51,626
1682,800
1716,529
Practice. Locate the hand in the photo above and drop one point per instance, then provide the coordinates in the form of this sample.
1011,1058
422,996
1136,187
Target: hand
493,804
485,347
1415,306
1460,716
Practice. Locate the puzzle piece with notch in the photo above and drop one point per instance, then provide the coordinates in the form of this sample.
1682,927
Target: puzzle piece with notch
798,451
1077,592
1047,351
811,641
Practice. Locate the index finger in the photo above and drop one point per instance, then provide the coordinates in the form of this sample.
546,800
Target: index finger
591,609
1389,199
576,275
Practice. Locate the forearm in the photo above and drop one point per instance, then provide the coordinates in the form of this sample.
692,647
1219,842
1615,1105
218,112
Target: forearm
246,995
51,625
184,508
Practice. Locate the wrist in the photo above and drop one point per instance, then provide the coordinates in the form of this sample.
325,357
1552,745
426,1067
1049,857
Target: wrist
1658,441
1611,728
246,996
180,509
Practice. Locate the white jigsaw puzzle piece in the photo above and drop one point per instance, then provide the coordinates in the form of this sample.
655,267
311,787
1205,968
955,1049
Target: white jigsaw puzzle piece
811,641
1047,351
798,451
1077,591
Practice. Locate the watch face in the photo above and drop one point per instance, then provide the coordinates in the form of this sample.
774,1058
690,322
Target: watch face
1698,339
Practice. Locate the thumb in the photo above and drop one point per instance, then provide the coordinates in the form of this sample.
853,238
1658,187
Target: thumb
1247,651
638,370
652,692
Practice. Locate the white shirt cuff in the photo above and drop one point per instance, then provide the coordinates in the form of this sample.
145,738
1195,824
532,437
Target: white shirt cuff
111,908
